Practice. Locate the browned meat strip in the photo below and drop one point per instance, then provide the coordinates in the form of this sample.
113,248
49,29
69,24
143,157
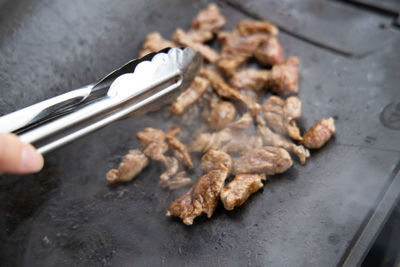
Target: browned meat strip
225,91
179,180
182,38
274,139
239,189
209,19
233,44
215,160
132,164
201,198
222,113
268,160
191,95
227,64
250,79
149,135
269,52
154,43
273,112
284,77
280,115
243,123
156,150
319,134
246,27
180,151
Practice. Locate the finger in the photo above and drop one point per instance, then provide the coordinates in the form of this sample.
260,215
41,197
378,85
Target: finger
17,157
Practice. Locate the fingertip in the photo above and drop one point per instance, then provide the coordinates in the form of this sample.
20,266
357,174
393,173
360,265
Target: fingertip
31,160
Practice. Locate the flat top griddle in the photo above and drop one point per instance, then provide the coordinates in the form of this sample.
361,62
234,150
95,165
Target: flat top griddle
323,214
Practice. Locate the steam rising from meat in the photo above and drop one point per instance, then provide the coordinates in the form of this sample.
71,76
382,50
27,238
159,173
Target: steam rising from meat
225,126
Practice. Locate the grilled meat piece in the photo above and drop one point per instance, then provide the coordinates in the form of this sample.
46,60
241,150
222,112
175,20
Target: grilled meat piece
250,79
149,135
201,198
180,151
132,164
222,113
274,139
240,188
233,44
178,181
225,91
269,52
209,19
292,108
171,166
268,160
182,38
280,115
154,43
319,134
156,150
215,160
227,64
243,123
284,77
191,95
273,112
247,27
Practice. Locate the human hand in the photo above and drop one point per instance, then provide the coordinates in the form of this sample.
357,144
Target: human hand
17,157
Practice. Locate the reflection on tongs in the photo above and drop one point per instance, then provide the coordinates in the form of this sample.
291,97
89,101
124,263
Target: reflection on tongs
137,87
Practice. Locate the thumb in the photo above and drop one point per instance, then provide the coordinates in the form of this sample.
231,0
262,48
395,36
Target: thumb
17,157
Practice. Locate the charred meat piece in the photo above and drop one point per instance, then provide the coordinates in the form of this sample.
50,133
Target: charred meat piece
239,189
250,79
132,164
270,52
268,160
191,95
225,91
227,64
209,19
319,134
215,160
274,139
222,113
182,38
201,198
246,27
180,151
233,44
284,77
154,43
179,180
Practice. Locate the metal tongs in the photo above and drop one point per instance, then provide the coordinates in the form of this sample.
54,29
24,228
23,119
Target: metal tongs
137,87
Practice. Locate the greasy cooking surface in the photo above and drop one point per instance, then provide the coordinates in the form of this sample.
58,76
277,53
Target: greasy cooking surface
308,216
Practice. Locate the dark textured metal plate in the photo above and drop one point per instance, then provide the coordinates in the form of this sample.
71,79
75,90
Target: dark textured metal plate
331,24
66,215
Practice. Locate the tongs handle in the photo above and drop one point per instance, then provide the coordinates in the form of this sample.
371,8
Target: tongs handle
46,109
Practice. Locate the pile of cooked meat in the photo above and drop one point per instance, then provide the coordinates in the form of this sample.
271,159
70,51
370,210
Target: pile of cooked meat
249,118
